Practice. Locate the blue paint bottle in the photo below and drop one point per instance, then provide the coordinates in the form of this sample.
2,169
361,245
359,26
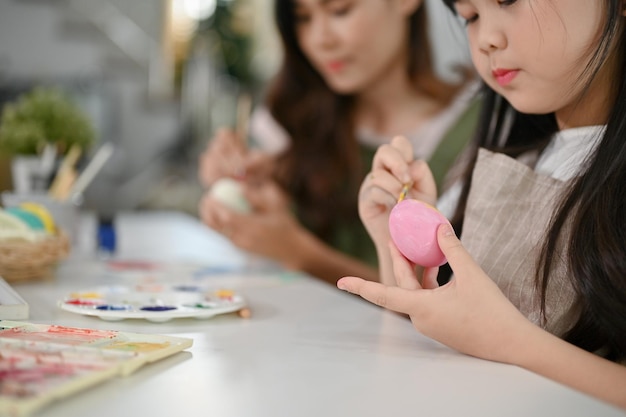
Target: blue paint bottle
106,237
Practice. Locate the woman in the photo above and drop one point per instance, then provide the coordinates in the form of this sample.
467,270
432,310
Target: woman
354,74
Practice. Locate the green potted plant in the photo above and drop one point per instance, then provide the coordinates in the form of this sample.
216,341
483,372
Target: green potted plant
42,119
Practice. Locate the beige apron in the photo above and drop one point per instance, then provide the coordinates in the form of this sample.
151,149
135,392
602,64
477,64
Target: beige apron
508,212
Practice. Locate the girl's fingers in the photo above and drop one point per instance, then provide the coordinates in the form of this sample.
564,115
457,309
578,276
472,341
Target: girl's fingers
394,298
395,158
378,196
403,270
424,185
403,146
458,258
429,278
381,186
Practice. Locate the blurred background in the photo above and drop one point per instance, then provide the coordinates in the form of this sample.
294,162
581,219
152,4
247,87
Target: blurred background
155,77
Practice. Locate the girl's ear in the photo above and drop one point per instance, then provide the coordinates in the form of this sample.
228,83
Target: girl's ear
410,6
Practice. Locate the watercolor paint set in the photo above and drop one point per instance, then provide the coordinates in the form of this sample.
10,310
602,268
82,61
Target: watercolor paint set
41,363
155,302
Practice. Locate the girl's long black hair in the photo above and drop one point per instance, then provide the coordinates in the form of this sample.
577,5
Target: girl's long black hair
322,169
595,204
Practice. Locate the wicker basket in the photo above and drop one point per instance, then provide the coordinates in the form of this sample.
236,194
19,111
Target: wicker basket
25,261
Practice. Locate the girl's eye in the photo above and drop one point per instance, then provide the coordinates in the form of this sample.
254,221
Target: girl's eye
463,10
340,9
471,19
466,11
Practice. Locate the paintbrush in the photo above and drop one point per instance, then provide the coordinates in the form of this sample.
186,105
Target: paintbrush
244,106
405,190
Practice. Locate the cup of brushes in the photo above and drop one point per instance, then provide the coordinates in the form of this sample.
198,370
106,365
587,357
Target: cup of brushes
413,228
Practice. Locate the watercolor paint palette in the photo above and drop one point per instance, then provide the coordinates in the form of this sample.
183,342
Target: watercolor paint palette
41,363
153,301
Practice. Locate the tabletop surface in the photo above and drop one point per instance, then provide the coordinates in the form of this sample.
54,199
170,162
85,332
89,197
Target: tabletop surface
308,349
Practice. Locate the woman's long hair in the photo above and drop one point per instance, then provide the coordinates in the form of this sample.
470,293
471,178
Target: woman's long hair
322,168
595,203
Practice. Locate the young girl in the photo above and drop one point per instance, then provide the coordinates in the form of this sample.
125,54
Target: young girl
354,73
540,278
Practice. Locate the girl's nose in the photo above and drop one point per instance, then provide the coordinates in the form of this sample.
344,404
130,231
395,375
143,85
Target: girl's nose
491,36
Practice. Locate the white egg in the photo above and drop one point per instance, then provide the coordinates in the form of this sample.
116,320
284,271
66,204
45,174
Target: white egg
229,192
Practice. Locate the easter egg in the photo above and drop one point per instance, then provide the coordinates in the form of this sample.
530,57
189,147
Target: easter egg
28,217
12,227
229,192
42,213
413,229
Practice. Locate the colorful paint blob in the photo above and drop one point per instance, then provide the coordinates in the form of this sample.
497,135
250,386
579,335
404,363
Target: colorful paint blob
108,307
158,308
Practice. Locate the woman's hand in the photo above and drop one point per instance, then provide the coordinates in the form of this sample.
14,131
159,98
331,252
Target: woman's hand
271,230
226,156
469,313
223,157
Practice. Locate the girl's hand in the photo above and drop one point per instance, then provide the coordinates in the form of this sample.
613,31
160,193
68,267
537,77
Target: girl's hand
469,313
392,168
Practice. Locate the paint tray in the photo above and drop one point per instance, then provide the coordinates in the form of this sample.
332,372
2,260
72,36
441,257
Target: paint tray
156,302
41,363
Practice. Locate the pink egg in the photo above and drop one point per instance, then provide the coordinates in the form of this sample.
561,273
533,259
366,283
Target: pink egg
413,228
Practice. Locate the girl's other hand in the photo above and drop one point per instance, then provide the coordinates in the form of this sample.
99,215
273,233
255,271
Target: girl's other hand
469,313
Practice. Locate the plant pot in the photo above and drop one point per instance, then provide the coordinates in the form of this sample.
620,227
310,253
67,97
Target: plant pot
26,174
32,173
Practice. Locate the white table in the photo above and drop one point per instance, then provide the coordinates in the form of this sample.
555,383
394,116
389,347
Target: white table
308,350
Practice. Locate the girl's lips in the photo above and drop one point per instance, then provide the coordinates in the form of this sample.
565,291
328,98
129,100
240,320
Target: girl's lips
504,76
